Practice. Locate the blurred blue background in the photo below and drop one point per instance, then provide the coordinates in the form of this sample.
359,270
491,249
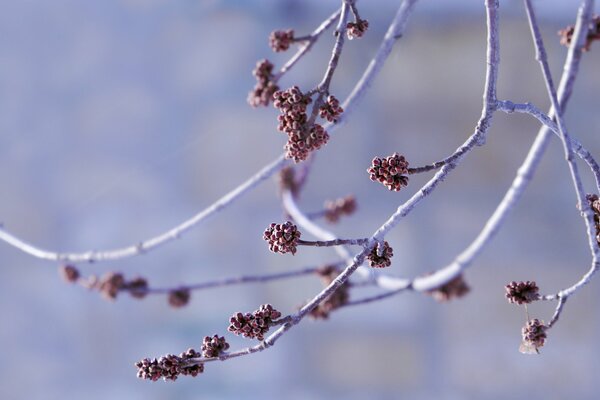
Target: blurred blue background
120,119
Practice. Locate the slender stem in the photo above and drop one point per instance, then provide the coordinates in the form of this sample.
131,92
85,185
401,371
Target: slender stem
334,242
374,298
238,280
531,109
310,41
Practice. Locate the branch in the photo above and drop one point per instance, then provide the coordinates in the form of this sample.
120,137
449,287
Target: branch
241,280
566,141
528,108
395,31
310,41
524,174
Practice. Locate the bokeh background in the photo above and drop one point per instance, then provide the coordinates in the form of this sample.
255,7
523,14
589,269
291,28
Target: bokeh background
120,119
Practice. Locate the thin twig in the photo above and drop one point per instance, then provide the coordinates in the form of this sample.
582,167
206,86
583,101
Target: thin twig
334,242
310,41
374,298
531,109
238,280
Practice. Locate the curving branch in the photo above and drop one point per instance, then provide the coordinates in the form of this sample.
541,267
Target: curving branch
524,173
395,31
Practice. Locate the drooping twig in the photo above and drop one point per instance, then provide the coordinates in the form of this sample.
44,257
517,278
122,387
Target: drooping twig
258,278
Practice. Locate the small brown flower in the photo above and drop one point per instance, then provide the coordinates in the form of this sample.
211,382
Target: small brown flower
566,34
287,180
331,110
299,145
69,273
455,288
390,171
280,40
335,209
534,336
522,292
213,346
255,325
334,301
357,29
383,261
111,284
170,366
179,297
282,238
265,87
138,287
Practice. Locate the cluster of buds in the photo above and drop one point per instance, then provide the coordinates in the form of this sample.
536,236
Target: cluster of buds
390,171
381,261
265,86
170,366
109,285
303,138
534,336
282,238
331,109
69,273
595,206
179,297
455,288
213,346
254,325
281,40
357,29
336,300
334,209
522,292
566,34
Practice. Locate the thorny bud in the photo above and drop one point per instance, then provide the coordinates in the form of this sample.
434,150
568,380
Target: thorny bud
331,110
262,93
455,288
566,34
383,261
138,287
389,171
170,366
111,284
335,209
255,325
69,273
534,336
213,346
357,29
280,40
282,238
522,292
179,297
